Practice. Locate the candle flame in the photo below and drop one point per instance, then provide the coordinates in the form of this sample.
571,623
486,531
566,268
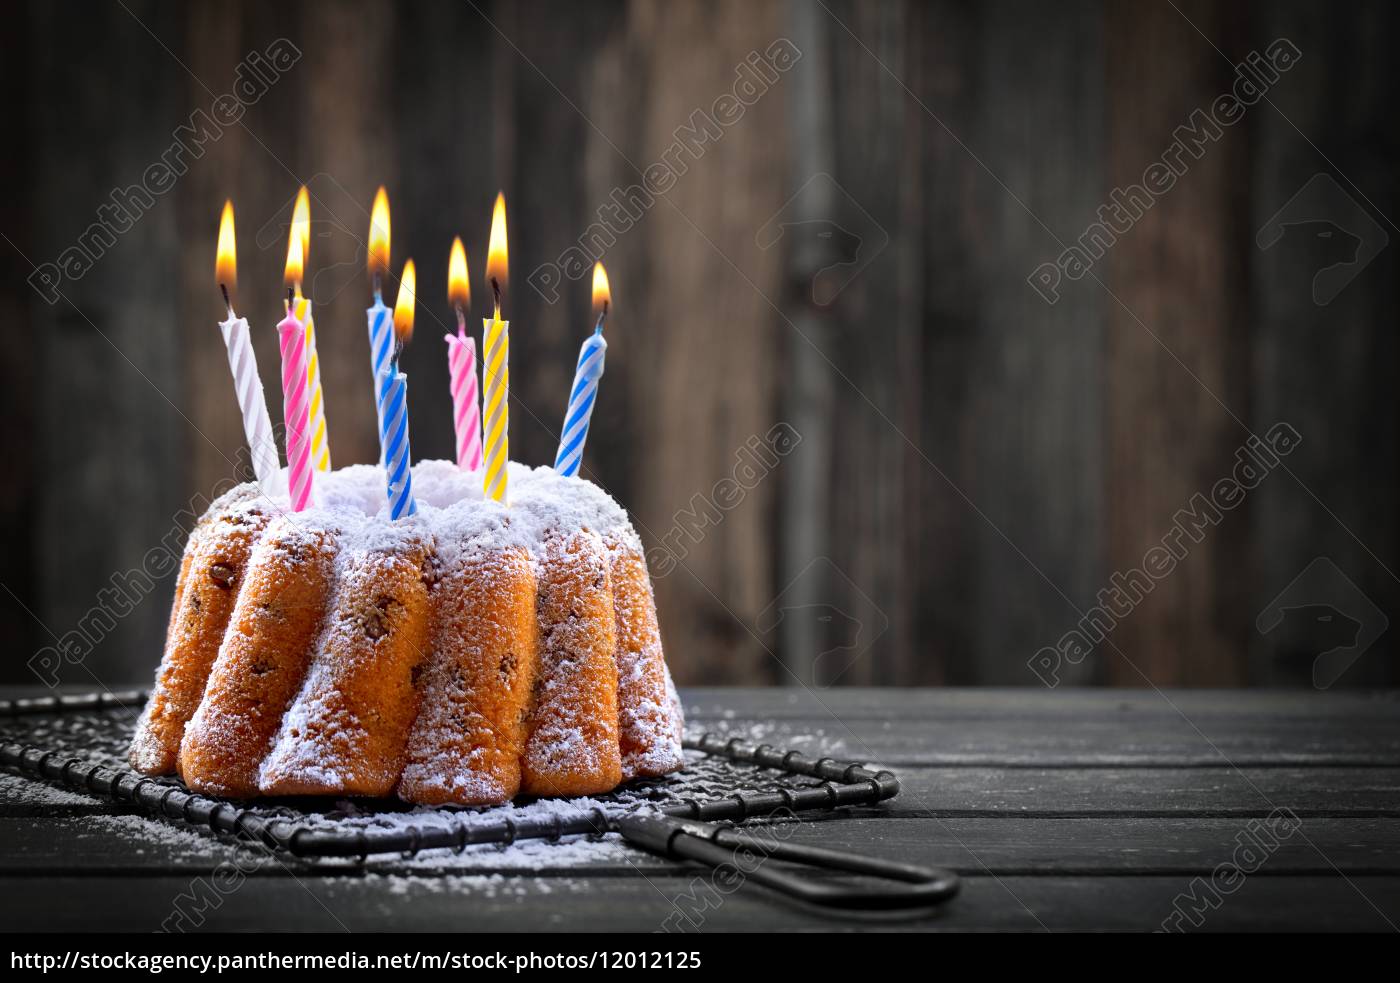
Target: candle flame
602,293
301,222
497,263
403,306
225,262
296,254
459,287
379,234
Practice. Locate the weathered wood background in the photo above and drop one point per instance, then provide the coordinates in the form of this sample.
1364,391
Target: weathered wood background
975,463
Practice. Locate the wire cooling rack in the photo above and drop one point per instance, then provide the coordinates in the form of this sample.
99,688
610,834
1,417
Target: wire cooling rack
80,742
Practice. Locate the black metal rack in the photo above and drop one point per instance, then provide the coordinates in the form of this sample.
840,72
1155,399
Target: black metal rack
835,784
673,816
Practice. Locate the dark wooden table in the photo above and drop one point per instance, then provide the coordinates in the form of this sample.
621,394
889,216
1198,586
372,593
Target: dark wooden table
1062,810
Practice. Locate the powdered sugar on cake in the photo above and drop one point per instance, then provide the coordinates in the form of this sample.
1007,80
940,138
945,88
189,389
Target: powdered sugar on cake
437,643
450,501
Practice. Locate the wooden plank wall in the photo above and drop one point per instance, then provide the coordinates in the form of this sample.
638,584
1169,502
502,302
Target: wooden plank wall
981,462
1176,386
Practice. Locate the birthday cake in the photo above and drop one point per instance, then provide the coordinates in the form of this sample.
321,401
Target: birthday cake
466,654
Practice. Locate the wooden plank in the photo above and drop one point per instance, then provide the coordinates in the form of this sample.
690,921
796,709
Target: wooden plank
1356,792
940,102
967,730
1005,846
710,375
18,380
552,98
1325,362
1023,440
947,640
898,704
1036,463
1012,846
24,797
1174,351
110,438
1069,727
254,163
807,393
122,844
1179,792
1053,742
522,904
452,169
350,144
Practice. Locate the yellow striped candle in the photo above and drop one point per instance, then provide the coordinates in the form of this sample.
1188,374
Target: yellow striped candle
320,440
495,382
496,386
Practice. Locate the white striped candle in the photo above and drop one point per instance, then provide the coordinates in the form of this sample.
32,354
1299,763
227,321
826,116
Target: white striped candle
296,404
247,385
581,399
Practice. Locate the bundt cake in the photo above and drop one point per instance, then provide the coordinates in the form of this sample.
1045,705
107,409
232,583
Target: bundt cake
465,655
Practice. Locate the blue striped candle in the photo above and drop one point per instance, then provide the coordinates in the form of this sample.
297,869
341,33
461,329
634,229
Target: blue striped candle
381,354
381,324
393,385
581,399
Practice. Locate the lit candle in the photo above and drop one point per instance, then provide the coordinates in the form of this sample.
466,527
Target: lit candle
320,440
586,376
393,406
296,398
381,334
496,372
461,364
247,384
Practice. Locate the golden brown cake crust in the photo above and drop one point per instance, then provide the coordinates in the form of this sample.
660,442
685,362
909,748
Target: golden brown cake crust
211,575
573,744
345,732
648,725
465,746
466,655
263,658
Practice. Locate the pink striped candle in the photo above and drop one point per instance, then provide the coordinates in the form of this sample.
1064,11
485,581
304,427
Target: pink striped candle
466,400
296,405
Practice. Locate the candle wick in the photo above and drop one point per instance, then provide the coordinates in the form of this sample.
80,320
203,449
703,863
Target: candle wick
378,282
291,296
496,293
602,316
461,322
223,289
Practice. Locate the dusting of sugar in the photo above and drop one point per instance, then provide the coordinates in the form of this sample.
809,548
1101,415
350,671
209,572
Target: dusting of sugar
459,528
17,788
543,502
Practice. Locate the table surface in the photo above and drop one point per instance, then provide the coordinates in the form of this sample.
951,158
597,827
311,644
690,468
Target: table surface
1062,810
